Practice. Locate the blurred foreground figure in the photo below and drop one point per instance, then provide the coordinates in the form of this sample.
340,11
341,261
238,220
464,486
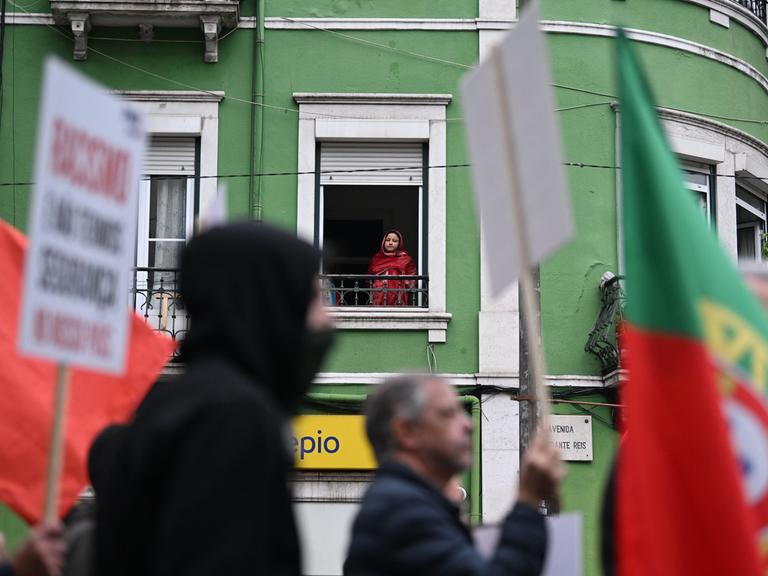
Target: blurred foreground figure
406,525
41,554
197,483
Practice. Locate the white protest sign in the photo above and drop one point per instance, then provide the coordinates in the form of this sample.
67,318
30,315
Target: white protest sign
572,434
514,147
564,544
82,228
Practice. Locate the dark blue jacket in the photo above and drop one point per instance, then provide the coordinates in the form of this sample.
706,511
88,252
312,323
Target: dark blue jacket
406,526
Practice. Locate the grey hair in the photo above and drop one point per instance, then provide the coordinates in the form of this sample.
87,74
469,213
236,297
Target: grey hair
399,397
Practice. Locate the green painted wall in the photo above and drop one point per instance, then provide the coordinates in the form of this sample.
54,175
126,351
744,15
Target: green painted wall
672,17
570,296
318,61
372,8
173,65
338,64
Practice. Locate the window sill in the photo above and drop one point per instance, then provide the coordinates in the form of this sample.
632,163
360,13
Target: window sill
363,318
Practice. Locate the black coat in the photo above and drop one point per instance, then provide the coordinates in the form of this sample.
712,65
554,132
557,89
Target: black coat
197,482
407,527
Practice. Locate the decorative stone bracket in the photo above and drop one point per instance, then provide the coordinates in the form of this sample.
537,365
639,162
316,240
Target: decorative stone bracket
211,26
80,25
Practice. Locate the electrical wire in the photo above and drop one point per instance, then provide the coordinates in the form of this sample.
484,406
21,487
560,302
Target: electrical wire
385,47
370,170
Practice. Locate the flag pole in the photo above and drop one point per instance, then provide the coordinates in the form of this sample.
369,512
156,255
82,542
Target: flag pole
55,452
527,288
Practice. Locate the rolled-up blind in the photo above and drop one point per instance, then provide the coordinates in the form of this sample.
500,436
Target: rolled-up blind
371,163
170,155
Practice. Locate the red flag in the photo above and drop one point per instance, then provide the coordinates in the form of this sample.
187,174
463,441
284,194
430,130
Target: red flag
27,389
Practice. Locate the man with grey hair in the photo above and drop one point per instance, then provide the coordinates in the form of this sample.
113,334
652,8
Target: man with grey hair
406,526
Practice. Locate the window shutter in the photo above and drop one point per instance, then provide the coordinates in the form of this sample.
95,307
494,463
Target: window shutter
388,162
170,155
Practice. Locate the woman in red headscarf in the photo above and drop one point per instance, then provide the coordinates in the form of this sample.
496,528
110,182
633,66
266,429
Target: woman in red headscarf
391,260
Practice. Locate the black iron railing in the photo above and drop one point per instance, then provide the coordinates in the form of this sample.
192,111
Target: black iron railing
602,338
757,7
371,290
155,296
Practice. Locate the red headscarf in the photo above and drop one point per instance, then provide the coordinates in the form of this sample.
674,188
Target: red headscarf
397,263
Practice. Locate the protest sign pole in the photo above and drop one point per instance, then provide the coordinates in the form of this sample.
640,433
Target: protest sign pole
527,288
56,449
532,329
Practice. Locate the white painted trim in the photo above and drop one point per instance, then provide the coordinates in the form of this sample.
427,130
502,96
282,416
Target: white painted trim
168,108
494,24
29,18
170,95
347,129
394,108
717,17
497,9
500,455
281,23
373,378
367,319
500,380
714,126
376,98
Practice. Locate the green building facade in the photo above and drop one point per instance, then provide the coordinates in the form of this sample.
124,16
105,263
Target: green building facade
341,119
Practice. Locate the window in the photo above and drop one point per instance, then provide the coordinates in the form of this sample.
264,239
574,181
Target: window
166,216
184,129
699,178
346,209
382,191
750,223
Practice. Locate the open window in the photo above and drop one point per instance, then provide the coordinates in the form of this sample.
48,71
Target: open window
366,189
750,223
166,219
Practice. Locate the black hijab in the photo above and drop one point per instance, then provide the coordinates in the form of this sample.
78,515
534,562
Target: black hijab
248,287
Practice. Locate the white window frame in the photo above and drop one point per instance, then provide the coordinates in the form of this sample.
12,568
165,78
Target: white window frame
705,169
752,210
142,235
732,152
186,113
402,117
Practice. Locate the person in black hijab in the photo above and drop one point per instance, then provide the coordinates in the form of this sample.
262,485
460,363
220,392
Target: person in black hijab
198,484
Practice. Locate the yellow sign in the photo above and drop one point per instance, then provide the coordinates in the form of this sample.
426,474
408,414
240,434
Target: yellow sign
332,443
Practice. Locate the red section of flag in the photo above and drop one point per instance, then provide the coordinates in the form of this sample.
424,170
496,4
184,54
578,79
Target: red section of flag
27,391
681,504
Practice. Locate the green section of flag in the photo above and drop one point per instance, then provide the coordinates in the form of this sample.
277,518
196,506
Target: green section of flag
673,258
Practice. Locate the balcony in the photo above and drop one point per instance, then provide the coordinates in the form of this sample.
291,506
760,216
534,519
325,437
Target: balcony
210,16
365,290
155,295
757,7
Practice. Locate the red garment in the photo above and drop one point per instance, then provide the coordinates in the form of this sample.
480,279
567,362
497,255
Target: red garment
27,390
397,263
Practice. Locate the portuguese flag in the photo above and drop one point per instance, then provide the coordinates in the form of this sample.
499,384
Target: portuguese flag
692,483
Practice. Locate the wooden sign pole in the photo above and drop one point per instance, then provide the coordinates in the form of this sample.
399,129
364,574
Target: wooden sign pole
56,449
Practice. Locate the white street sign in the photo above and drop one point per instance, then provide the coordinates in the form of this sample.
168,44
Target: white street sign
82,227
572,435
514,147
